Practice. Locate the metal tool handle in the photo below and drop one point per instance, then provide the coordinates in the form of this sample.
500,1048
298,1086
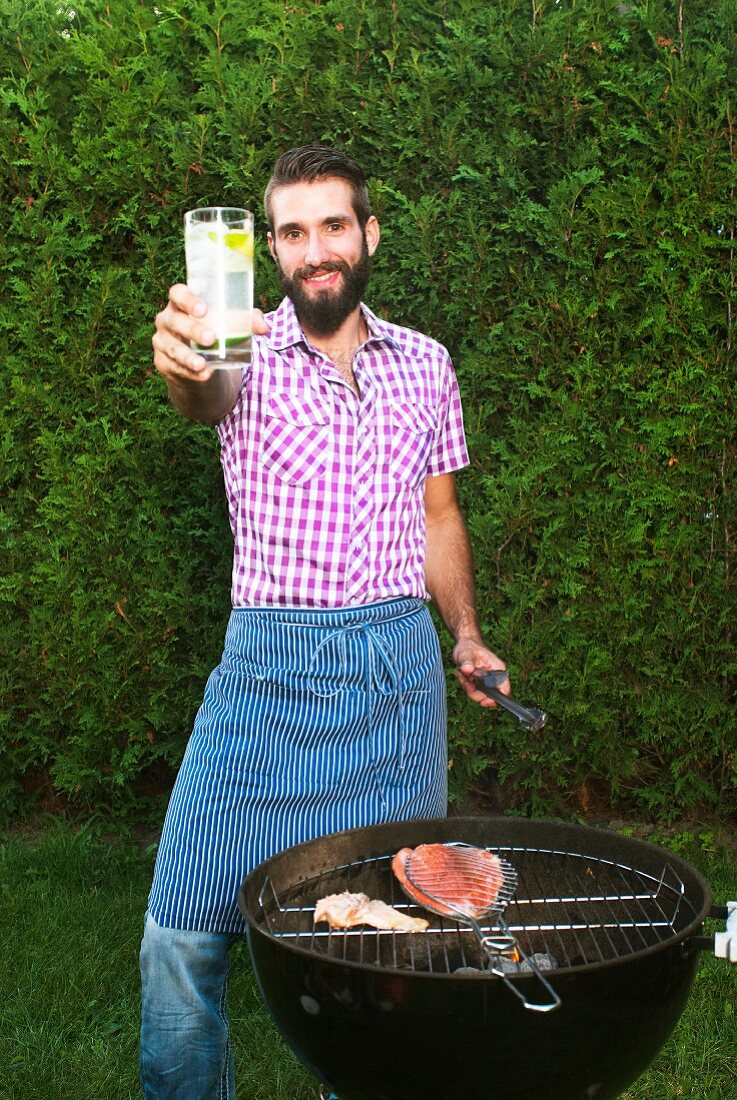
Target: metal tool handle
725,943
495,947
532,718
722,945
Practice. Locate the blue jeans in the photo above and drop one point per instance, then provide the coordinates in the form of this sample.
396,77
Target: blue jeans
185,1044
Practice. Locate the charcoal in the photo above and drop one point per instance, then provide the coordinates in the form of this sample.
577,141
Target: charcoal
542,960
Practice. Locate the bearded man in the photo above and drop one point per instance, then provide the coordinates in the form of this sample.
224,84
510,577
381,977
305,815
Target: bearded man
339,443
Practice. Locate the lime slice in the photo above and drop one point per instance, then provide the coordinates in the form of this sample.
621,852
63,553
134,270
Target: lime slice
238,240
230,342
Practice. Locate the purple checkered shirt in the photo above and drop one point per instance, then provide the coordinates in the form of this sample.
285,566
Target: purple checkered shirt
325,490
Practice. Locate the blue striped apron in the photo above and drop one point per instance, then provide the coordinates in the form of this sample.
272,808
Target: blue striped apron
313,722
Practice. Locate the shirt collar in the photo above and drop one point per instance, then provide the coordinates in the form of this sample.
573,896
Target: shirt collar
286,330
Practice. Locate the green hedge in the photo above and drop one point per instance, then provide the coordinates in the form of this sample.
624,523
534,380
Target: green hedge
556,186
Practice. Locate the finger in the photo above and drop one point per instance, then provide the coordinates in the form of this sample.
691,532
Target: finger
497,678
182,298
504,687
484,664
176,359
182,310
470,666
259,324
473,691
175,330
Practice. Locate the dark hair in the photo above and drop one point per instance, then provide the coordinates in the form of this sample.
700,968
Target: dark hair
318,162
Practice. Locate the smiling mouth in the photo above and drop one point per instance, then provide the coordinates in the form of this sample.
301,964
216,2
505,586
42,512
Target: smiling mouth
323,276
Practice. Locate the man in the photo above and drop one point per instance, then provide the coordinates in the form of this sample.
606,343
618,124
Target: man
338,445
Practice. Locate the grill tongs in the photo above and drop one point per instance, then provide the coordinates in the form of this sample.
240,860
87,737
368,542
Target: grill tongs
481,886
532,718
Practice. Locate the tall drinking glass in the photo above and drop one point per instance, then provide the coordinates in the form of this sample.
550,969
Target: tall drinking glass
218,244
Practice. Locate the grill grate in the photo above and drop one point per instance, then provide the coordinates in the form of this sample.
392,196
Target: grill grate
577,908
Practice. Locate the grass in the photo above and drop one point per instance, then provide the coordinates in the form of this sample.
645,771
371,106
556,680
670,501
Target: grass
71,912
71,907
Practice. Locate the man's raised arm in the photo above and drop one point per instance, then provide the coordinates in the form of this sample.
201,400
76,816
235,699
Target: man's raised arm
196,389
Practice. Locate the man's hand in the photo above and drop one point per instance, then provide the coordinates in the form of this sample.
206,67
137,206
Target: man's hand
472,656
180,322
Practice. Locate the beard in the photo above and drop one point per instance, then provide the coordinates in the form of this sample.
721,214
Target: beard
324,312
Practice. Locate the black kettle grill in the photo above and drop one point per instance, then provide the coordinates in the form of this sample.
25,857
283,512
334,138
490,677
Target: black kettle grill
616,923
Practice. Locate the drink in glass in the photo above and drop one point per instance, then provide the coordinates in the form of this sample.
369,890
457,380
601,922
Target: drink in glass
218,244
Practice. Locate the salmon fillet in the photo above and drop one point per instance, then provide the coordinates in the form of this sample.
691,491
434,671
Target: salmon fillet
450,880
347,910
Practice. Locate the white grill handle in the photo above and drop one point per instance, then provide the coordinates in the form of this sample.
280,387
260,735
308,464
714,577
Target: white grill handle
725,943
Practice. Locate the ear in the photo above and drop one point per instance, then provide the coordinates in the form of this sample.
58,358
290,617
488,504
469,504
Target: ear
373,235
270,242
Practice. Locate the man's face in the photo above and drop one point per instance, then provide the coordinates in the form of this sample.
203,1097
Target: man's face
322,254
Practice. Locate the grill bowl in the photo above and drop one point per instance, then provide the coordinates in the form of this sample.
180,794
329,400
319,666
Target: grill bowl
375,1030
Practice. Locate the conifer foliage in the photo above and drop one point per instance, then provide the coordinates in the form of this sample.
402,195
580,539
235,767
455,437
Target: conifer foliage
556,186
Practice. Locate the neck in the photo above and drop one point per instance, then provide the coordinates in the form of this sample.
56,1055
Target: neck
348,337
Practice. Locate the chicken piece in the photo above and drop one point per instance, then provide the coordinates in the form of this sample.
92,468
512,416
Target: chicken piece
341,910
452,880
381,915
347,910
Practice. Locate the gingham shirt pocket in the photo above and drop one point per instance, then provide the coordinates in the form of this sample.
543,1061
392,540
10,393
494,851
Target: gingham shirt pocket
413,432
295,437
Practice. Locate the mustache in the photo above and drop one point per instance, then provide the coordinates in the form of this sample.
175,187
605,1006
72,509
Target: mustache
309,271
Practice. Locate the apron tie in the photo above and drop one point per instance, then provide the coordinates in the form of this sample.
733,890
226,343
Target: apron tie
376,653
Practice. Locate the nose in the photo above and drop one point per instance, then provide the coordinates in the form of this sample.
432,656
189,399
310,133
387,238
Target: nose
316,251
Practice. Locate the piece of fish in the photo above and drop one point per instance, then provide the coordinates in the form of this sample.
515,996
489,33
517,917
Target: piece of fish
450,879
347,910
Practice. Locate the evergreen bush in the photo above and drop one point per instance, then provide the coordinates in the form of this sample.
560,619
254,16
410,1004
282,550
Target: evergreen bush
556,187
